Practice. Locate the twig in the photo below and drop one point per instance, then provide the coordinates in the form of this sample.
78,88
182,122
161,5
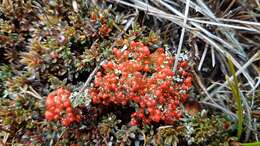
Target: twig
35,92
30,93
61,134
6,137
52,139
163,127
229,6
128,24
145,141
91,76
6,130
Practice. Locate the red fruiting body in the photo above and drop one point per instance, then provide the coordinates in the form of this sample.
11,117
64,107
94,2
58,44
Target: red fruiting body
117,52
49,115
145,79
133,122
57,104
104,30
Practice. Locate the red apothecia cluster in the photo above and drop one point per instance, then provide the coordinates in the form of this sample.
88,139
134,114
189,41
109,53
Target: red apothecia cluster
144,80
59,107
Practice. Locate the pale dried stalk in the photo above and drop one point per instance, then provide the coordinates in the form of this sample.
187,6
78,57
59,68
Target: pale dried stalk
203,57
240,70
182,35
213,104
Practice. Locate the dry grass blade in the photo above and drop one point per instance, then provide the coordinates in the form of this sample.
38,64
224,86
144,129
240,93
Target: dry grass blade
227,33
248,63
211,35
213,57
203,57
153,11
33,93
147,7
221,50
256,24
226,25
213,104
182,35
